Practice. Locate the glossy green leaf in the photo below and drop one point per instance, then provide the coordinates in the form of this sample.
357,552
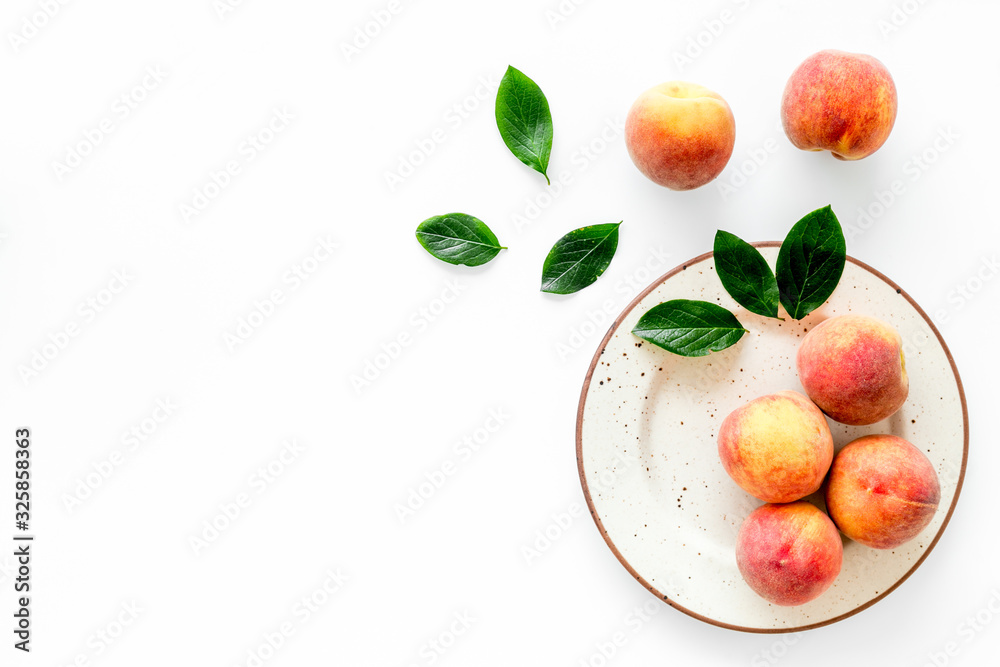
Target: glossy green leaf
689,328
458,238
579,258
524,120
745,274
811,262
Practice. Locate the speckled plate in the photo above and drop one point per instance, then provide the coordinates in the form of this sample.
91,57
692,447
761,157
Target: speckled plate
646,448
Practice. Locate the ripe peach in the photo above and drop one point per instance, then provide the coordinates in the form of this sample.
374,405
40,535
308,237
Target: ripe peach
841,102
853,368
680,134
789,554
882,491
777,447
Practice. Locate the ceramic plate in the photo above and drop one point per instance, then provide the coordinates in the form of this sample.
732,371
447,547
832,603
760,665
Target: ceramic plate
646,447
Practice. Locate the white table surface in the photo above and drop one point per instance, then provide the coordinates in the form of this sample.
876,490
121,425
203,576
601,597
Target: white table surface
129,297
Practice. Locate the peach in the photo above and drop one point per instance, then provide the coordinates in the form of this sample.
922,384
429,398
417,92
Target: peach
841,102
882,491
853,368
777,448
680,135
789,554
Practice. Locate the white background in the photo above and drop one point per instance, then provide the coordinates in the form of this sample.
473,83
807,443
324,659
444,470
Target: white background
499,345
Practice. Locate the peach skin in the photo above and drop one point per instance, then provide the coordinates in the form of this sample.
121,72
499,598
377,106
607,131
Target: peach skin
680,135
841,102
777,448
882,491
853,368
789,554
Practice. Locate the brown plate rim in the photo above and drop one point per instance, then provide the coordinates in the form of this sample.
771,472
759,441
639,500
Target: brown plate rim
665,598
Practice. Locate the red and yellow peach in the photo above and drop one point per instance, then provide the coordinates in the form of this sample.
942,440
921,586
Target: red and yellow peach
882,491
853,368
777,447
841,102
789,554
680,135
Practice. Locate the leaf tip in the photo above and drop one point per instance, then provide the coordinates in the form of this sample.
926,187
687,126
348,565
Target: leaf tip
512,72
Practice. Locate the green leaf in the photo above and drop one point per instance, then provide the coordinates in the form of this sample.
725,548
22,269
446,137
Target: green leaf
811,262
689,328
579,258
745,274
458,238
524,120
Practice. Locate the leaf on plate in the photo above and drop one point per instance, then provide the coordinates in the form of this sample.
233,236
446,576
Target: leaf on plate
524,120
745,274
689,328
458,238
579,258
810,262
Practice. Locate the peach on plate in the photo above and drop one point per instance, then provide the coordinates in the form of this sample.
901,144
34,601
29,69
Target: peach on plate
777,448
882,491
853,368
789,554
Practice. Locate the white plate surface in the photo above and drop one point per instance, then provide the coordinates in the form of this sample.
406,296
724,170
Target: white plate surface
646,448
